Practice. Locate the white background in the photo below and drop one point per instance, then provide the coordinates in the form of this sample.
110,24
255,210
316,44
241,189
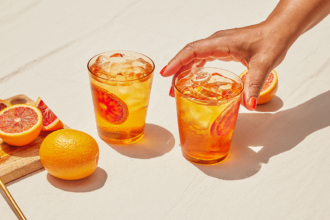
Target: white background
278,167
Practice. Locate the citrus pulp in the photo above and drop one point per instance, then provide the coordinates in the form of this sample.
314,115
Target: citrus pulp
110,106
50,122
269,89
20,124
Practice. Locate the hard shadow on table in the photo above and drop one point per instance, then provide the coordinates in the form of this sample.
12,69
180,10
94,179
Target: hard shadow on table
29,150
156,142
24,177
272,106
91,183
275,133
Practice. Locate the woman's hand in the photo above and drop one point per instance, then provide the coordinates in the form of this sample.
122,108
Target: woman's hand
259,47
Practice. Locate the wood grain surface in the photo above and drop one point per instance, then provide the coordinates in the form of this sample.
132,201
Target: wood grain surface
16,162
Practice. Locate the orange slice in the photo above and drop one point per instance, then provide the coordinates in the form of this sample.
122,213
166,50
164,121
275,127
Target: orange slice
4,104
117,55
20,124
50,122
225,122
269,90
109,106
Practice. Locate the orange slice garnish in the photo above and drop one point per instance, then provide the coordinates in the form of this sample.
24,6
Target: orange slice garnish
20,124
109,106
269,90
225,122
117,55
50,122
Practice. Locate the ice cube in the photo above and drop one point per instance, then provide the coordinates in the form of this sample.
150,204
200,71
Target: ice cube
219,79
227,86
121,68
120,77
101,66
102,59
182,84
206,93
129,58
137,63
118,60
202,77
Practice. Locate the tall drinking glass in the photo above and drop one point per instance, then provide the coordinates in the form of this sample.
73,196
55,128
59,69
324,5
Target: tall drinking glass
208,102
120,84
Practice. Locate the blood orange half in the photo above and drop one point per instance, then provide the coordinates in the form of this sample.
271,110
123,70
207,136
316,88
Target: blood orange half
269,90
50,121
225,122
20,124
109,106
4,104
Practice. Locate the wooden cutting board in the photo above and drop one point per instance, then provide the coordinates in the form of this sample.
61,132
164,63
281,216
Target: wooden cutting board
16,162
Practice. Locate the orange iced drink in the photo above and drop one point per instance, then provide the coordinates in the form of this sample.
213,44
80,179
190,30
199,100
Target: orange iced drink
120,84
207,100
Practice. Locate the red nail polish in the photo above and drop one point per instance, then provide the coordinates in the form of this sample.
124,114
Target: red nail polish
171,90
244,102
253,102
163,70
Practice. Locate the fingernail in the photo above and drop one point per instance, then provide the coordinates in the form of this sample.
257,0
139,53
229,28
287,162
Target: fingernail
171,90
253,103
244,102
163,70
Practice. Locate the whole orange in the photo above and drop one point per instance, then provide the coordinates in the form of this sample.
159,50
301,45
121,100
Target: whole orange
69,154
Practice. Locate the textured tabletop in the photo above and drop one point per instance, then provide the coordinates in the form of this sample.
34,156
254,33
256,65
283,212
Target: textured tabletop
278,167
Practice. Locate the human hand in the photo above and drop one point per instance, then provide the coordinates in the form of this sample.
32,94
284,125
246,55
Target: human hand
259,47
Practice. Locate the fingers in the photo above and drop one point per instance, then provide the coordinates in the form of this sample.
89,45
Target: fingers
197,63
254,82
201,49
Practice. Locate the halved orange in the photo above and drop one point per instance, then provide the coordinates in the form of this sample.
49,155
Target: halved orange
50,122
4,104
109,106
20,124
225,122
269,90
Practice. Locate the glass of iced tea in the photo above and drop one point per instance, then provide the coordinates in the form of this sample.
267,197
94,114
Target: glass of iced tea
120,83
207,100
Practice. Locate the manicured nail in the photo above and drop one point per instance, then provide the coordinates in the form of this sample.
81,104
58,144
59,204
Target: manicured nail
163,70
171,90
253,103
244,102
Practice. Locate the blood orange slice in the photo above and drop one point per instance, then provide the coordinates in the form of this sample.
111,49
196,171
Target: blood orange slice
269,90
4,104
50,121
20,124
225,122
117,55
109,106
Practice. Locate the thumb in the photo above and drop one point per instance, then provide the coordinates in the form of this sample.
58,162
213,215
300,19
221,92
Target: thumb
255,80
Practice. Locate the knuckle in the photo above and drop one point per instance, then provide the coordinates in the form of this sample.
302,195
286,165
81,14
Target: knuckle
192,45
255,85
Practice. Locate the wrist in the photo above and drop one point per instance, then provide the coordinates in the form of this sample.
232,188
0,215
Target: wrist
280,31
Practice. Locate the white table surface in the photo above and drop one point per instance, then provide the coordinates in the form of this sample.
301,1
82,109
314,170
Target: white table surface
278,167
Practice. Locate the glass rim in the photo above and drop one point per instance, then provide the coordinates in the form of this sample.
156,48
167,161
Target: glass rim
214,102
121,81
